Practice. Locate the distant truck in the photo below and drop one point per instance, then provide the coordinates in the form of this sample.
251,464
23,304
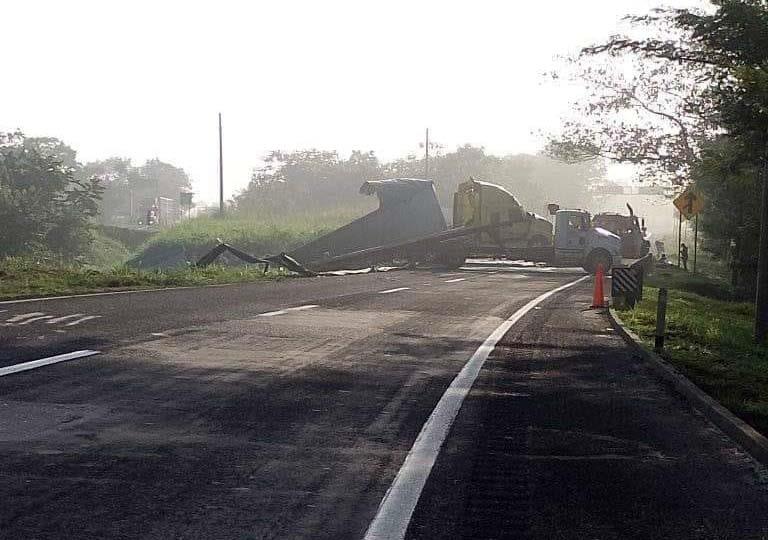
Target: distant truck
635,243
409,226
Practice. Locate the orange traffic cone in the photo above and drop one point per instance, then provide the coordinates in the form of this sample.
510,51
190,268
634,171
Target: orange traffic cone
598,299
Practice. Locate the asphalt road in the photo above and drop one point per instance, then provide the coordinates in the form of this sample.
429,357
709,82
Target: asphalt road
285,410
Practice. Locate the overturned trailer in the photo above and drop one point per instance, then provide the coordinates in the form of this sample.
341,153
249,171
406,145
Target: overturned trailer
409,227
408,209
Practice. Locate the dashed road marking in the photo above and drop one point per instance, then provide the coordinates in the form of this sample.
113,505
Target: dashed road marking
64,318
34,364
395,511
23,316
388,291
33,319
455,280
287,310
83,319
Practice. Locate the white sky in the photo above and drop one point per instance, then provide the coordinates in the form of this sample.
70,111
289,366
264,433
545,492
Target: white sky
146,79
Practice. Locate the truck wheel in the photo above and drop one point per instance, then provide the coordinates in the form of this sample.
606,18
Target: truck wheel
597,257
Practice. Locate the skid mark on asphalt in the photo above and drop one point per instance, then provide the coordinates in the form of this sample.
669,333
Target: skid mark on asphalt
288,310
390,291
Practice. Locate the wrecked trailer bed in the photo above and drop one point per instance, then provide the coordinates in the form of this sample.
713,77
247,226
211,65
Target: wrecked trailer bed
408,209
448,248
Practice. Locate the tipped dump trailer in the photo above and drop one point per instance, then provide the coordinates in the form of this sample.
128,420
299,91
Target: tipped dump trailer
408,209
488,220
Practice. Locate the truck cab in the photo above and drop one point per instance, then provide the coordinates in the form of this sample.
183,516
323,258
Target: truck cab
578,243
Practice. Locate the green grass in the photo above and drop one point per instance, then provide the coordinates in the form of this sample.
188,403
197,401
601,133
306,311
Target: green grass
22,278
106,252
709,340
193,238
704,285
104,267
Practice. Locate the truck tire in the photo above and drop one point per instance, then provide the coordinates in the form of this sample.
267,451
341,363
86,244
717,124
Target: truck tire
597,257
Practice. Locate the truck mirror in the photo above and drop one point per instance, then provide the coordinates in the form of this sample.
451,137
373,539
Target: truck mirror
553,208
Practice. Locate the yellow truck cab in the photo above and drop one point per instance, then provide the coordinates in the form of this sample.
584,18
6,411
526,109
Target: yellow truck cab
477,203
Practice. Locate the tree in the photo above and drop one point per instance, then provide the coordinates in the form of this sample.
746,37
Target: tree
314,180
129,190
647,112
43,207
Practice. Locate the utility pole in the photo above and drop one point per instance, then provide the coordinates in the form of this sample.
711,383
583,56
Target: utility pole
679,235
761,296
695,242
221,172
426,157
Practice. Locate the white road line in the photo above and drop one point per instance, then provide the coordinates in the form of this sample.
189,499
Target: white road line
114,293
83,319
23,316
64,318
287,310
273,313
388,291
33,319
455,280
397,506
34,364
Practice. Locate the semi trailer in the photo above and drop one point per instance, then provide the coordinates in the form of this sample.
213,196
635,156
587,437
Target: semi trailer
409,227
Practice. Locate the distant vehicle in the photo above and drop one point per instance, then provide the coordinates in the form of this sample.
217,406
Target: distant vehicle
634,236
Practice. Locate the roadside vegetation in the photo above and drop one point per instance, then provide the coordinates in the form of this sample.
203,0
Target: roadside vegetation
709,339
191,239
21,278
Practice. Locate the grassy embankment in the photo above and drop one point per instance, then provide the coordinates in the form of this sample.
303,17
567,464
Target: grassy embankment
709,339
192,239
105,267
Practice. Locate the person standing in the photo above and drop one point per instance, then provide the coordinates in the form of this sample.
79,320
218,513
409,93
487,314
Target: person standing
684,256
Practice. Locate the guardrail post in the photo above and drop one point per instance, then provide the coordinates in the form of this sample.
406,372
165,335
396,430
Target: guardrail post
661,320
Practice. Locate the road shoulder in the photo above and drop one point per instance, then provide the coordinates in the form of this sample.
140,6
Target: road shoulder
566,435
741,432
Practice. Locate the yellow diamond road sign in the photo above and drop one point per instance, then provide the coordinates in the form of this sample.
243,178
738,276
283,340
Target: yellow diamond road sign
689,203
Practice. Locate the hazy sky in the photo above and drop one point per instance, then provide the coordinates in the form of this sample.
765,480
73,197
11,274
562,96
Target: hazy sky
146,79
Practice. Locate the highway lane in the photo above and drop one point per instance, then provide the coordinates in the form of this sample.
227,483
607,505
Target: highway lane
276,410
567,434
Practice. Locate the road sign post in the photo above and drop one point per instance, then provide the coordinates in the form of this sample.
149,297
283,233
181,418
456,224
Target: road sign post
761,295
661,320
689,204
695,241
679,236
